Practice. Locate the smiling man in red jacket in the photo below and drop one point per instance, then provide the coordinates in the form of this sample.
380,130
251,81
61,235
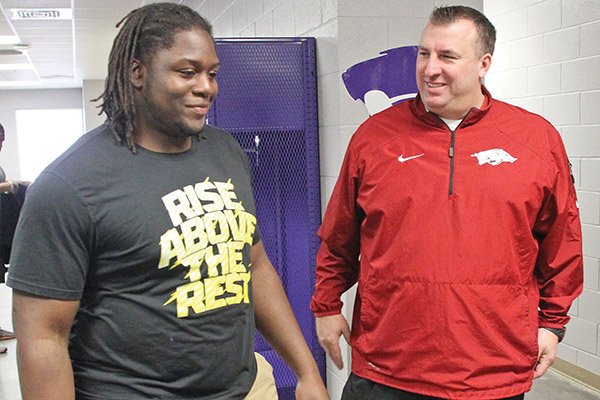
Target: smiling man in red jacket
457,216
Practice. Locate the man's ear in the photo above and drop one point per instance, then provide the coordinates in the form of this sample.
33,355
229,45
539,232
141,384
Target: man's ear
485,62
137,72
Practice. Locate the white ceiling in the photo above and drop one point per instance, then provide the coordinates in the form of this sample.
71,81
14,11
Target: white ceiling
62,52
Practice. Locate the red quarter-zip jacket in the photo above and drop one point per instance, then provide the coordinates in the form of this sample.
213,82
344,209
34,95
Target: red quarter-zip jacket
463,245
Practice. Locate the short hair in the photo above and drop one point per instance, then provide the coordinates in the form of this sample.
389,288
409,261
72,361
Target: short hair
144,31
486,33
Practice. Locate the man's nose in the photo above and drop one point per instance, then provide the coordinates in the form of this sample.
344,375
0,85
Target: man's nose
432,66
203,84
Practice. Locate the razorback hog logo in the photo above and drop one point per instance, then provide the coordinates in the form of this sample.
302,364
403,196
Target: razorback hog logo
493,157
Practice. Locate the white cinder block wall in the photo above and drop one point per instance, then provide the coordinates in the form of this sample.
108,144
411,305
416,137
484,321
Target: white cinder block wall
548,61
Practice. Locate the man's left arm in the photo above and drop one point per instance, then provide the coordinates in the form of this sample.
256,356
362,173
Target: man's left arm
277,323
559,267
547,347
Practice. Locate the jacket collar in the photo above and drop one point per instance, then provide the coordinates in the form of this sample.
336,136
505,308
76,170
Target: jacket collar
475,114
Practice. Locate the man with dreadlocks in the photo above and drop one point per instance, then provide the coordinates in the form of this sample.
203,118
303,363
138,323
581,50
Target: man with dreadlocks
138,270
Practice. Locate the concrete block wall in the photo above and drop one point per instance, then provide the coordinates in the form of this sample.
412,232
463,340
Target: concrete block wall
548,61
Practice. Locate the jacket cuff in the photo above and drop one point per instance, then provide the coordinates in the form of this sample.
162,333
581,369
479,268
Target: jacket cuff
321,309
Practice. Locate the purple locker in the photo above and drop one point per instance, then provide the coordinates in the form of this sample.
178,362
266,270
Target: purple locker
268,101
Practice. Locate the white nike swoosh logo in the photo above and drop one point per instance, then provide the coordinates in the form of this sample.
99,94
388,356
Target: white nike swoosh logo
402,159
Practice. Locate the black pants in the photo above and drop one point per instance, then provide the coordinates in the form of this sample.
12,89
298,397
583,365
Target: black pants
4,256
358,388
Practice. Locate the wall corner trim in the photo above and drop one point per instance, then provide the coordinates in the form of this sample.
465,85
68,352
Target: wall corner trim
578,374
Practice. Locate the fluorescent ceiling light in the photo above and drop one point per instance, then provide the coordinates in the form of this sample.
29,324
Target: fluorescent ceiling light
9,39
41,13
19,83
15,67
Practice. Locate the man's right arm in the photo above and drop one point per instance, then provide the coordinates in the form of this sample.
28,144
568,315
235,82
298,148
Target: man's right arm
42,329
329,330
8,187
337,261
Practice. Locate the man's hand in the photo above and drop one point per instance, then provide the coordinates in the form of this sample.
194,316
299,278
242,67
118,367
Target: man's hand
277,323
311,389
329,330
547,344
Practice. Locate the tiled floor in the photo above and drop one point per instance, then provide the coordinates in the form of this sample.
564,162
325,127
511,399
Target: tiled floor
552,386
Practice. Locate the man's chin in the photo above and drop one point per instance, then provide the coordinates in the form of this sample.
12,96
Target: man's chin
433,106
194,129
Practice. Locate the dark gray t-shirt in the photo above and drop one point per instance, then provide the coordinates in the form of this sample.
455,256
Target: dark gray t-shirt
157,249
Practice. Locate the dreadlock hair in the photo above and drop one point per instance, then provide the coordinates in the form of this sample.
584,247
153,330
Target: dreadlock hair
144,31
486,33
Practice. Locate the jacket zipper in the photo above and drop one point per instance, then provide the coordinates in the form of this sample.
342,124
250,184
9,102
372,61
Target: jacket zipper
451,155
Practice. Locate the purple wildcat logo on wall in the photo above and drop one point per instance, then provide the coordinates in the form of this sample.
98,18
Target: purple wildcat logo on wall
385,80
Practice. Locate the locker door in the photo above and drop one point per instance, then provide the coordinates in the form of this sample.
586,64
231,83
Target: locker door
268,101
